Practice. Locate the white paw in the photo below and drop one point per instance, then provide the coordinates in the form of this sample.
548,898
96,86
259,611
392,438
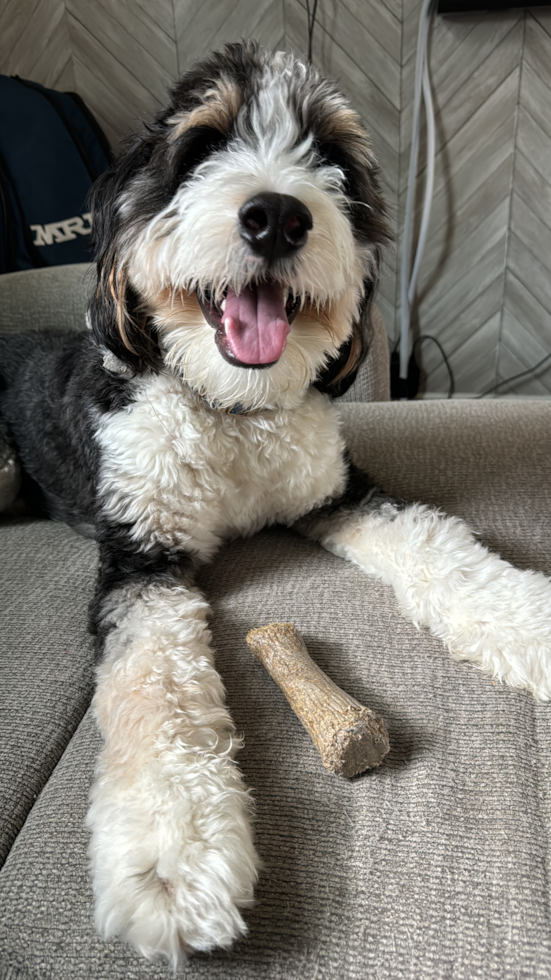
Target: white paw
172,857
505,627
482,608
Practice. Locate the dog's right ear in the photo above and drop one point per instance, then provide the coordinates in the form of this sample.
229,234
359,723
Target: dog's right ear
116,314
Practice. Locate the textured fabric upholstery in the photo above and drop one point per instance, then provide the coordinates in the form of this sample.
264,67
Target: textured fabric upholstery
46,574
432,867
45,299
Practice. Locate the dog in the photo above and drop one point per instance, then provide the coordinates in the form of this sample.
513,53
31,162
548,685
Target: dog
238,242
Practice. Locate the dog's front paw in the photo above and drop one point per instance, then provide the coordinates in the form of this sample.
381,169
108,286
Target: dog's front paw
504,625
172,859
484,609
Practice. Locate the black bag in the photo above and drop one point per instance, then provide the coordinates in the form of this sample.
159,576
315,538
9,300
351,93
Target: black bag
51,151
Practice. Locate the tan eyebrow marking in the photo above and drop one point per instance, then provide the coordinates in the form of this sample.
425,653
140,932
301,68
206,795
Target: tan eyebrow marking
219,108
344,123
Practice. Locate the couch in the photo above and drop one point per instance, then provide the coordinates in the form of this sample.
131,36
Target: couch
434,866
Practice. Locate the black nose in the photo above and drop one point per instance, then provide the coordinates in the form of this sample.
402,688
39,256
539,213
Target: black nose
274,225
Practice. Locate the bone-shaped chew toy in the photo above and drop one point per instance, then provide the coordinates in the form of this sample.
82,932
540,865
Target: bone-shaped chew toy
348,736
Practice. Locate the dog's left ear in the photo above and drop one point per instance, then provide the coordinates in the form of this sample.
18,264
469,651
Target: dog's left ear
342,141
116,315
341,371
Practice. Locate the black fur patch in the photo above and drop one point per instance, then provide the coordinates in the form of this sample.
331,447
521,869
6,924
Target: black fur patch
193,147
53,387
239,63
326,381
124,566
360,494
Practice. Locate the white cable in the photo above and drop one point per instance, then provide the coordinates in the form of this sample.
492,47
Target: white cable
429,183
407,283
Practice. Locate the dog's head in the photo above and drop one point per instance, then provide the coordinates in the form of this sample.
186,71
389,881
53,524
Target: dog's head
238,237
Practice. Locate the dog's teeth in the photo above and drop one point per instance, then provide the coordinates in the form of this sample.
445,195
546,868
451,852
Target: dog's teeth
223,305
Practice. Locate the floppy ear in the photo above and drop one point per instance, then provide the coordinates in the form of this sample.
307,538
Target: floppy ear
118,320
116,315
340,372
342,141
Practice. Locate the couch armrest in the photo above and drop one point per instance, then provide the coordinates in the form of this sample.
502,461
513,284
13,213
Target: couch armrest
488,462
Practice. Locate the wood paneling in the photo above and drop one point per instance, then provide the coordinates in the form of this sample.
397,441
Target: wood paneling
526,309
121,56
491,78
475,73
213,23
34,41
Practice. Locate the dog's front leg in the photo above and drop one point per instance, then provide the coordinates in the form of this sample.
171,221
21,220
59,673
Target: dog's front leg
482,608
171,851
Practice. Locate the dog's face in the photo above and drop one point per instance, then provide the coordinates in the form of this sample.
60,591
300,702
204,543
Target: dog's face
239,236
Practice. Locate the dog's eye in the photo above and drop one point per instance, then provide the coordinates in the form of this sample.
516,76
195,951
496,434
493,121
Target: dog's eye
356,186
194,147
332,154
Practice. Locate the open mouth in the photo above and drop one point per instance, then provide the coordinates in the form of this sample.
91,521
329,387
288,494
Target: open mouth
251,326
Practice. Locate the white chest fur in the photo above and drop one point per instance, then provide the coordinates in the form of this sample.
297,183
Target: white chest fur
187,476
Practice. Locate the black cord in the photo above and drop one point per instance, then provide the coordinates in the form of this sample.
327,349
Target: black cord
515,377
420,339
311,23
427,336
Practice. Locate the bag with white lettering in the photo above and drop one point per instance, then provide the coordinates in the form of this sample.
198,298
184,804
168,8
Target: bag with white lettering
51,151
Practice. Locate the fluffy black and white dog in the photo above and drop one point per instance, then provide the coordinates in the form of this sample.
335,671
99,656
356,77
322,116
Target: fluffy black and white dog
238,242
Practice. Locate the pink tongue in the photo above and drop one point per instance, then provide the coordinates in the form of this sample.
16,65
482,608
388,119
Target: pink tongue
256,324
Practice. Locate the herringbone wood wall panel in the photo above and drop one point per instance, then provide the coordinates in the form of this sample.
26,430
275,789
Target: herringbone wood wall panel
526,309
34,42
485,284
127,53
475,67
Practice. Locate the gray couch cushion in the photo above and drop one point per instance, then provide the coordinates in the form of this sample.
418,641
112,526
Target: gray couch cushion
46,575
46,299
433,866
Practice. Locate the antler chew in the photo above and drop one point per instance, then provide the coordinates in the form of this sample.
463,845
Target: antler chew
348,736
